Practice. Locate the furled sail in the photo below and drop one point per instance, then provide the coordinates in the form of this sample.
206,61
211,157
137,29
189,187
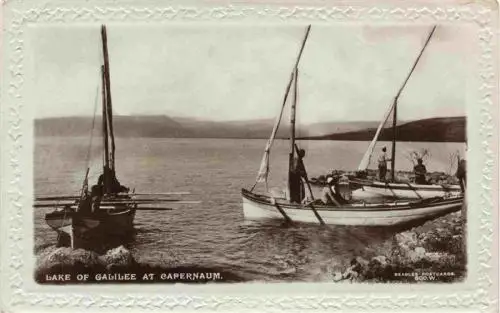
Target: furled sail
264,165
366,158
368,154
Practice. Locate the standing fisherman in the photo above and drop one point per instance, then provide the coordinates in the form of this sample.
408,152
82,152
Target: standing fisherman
382,164
420,172
461,174
297,172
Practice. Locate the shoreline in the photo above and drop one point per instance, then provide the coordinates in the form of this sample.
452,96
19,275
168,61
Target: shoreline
57,266
433,252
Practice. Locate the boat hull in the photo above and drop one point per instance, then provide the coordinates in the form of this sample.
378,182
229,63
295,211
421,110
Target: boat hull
85,230
407,190
258,207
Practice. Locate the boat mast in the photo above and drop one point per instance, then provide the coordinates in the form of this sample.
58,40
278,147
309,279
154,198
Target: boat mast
394,137
292,114
104,128
264,166
108,94
293,79
292,127
394,121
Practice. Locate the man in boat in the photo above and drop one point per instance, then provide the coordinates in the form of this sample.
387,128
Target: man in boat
330,195
114,184
343,187
382,164
96,194
420,172
461,174
85,204
297,172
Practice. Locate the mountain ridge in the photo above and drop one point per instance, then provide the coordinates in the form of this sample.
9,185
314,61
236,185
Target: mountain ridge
163,126
438,129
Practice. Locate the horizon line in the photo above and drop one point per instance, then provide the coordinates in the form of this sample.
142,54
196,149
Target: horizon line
241,120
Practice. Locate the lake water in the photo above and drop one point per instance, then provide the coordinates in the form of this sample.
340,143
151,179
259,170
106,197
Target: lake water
214,233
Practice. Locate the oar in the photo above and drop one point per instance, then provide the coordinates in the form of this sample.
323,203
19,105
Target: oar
50,197
118,200
149,202
52,205
139,208
146,200
112,199
47,198
283,213
310,204
59,204
414,190
154,209
162,193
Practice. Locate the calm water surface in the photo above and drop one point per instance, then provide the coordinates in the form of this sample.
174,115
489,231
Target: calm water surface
214,232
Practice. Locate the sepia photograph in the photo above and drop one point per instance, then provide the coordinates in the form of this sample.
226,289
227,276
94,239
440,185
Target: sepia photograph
208,153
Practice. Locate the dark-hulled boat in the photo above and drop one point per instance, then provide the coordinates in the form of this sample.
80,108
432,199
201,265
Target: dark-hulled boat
106,212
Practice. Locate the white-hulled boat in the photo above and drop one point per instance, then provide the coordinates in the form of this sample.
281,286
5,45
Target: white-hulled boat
261,206
394,188
257,207
406,190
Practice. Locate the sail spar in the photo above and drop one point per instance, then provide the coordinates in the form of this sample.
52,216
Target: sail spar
368,154
264,166
392,108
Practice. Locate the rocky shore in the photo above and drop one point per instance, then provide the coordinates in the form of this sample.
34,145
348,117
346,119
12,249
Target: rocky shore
433,252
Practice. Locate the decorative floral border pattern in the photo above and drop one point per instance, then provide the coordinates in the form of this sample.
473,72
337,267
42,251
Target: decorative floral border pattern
484,17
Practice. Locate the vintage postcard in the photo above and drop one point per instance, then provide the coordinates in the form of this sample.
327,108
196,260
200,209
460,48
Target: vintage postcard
250,156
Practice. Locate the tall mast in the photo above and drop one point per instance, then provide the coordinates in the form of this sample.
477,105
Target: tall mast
293,79
293,109
108,94
292,125
104,123
394,138
394,121
264,166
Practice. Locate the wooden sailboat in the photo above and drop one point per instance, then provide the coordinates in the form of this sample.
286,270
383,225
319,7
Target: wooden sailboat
108,209
392,188
265,206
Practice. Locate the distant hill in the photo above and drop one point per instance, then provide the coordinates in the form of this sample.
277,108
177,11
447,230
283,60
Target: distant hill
450,129
320,129
443,129
156,127
179,127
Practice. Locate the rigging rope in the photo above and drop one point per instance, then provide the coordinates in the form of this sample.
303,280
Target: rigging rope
92,129
89,149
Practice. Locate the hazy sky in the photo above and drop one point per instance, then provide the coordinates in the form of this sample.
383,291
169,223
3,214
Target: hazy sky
233,72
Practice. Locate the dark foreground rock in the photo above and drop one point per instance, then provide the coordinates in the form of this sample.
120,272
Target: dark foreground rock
64,265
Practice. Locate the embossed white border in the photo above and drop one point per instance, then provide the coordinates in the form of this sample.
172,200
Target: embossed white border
19,293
